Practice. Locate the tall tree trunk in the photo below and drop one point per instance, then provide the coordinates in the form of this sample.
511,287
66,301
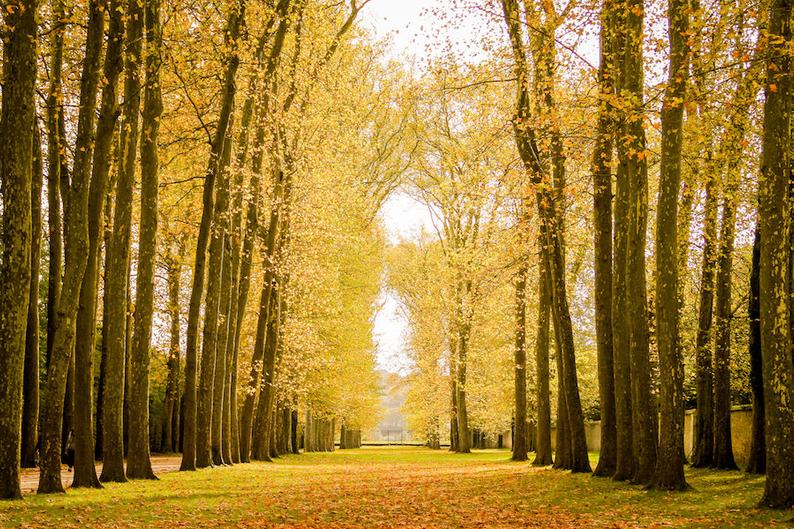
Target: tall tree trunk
171,411
723,448
543,453
76,246
602,244
234,22
55,166
261,435
774,214
108,237
294,432
220,385
552,220
520,437
463,328
563,455
211,355
16,167
703,453
624,468
453,387
756,462
634,153
669,474
84,470
115,386
139,464
30,384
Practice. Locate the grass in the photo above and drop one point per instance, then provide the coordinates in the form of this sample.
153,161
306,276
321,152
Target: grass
398,487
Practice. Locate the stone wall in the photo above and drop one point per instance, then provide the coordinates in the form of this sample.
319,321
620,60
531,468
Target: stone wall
741,432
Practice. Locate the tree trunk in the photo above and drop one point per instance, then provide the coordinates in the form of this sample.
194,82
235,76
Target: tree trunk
756,463
76,258
633,151
294,432
723,448
552,220
261,445
212,357
16,167
115,386
30,384
55,168
220,386
602,244
85,471
703,453
543,453
563,455
139,465
171,406
190,444
463,329
774,214
520,436
669,473
453,386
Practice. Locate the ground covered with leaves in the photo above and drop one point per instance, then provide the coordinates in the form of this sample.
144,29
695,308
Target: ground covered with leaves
397,487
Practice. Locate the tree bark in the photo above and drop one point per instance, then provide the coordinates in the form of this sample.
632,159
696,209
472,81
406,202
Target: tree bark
774,215
85,471
115,393
139,465
756,463
633,153
703,453
223,270
232,60
602,244
212,357
16,167
171,406
55,166
76,259
669,473
723,448
543,453
520,415
30,383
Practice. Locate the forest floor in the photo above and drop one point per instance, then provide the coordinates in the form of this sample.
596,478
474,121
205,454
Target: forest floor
397,487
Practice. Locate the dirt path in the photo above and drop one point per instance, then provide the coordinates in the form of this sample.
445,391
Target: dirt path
29,480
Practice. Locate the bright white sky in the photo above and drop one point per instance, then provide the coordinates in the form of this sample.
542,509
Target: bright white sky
407,23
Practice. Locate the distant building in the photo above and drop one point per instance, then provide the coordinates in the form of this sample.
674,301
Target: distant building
392,428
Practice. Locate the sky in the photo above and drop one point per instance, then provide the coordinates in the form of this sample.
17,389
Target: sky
403,217
414,29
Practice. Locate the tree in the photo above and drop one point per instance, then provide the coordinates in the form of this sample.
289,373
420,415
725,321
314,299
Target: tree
75,194
85,471
17,122
774,214
602,216
528,150
117,276
520,431
138,463
669,473
232,63
756,463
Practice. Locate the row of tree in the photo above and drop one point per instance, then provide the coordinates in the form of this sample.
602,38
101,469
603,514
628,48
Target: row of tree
686,222
235,96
